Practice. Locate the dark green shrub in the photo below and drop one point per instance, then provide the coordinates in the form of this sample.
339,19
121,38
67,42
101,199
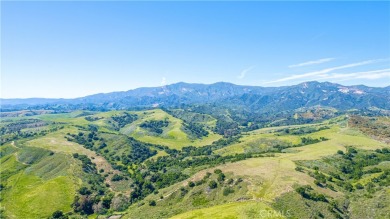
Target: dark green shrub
213,184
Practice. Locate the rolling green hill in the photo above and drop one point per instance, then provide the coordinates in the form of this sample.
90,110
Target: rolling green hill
172,136
171,163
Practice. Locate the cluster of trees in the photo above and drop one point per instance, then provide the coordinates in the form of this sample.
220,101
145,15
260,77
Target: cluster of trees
20,134
233,120
310,140
188,116
228,190
208,149
167,170
221,181
136,151
142,186
280,146
353,161
321,179
303,130
93,118
59,215
155,126
350,169
86,139
87,164
226,127
162,180
94,196
345,170
166,162
84,113
22,124
215,182
308,193
123,120
117,177
195,130
221,176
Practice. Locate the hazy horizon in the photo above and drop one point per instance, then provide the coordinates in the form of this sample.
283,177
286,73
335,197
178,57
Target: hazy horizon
185,83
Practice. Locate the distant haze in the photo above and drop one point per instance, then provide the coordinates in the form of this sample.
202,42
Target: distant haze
254,98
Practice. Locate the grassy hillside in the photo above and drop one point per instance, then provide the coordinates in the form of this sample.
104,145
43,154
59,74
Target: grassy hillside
162,164
271,180
36,182
39,174
173,135
247,209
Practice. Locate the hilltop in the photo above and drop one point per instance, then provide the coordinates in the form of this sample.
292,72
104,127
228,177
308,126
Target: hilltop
181,94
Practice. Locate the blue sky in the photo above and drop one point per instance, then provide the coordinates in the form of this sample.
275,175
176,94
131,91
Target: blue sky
72,49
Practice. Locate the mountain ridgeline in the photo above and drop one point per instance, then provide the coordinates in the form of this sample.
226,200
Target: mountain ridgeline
314,150
264,99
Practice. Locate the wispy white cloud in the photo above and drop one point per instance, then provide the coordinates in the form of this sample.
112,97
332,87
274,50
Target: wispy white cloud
369,75
324,72
244,72
163,81
314,62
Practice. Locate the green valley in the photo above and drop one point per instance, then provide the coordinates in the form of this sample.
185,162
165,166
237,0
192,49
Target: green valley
173,163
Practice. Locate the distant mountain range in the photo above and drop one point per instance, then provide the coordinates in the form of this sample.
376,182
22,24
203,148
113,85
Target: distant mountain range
263,98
